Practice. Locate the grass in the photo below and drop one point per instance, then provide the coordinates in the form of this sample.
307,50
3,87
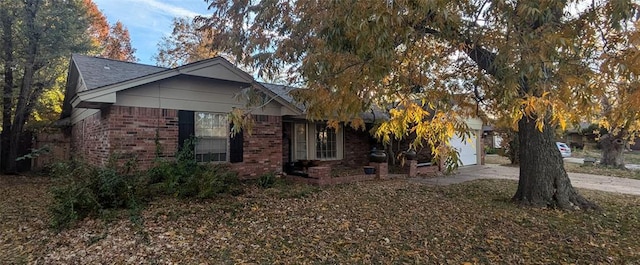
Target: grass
602,170
496,159
581,168
390,222
630,157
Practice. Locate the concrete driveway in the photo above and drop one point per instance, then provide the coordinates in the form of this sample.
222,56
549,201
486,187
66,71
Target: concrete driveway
492,171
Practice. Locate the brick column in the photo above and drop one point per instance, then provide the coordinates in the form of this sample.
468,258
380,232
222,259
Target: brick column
413,168
382,170
323,174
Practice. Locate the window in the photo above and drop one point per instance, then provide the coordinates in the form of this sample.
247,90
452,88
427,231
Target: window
326,142
211,131
301,140
317,141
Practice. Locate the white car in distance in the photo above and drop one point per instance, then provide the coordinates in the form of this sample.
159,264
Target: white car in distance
564,149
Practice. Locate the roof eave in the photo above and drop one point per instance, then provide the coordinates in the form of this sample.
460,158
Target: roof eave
279,99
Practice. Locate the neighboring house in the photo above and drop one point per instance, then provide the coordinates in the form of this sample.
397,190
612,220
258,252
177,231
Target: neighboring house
471,149
580,135
490,137
121,110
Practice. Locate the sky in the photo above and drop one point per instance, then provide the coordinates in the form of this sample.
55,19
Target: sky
149,20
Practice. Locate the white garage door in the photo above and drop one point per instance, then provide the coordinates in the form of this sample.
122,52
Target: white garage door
466,149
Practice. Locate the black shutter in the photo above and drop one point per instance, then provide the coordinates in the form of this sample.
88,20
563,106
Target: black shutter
186,127
236,145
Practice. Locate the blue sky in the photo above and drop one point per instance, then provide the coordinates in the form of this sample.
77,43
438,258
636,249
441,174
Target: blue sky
149,20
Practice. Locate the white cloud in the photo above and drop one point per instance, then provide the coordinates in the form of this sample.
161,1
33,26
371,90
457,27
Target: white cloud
174,11
149,20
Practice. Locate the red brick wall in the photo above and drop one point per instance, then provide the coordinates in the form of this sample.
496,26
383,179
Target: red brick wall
89,140
262,151
357,147
125,133
423,154
59,145
133,132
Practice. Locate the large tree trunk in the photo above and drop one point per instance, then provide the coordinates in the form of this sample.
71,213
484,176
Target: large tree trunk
612,151
7,89
543,180
20,118
22,110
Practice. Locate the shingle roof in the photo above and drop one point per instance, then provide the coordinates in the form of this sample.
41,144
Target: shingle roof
98,72
284,92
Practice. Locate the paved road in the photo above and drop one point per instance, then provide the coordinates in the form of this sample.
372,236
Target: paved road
492,171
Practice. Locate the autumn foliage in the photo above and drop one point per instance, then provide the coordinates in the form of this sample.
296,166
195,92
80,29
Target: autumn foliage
434,63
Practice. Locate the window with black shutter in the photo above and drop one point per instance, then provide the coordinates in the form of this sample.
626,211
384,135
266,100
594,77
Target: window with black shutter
237,149
211,133
186,127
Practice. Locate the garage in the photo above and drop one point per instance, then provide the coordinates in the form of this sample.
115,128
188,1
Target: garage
467,149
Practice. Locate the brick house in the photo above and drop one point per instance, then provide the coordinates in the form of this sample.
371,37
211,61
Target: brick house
122,110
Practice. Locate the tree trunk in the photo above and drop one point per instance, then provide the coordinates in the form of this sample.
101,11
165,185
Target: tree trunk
543,180
612,151
22,111
513,150
7,89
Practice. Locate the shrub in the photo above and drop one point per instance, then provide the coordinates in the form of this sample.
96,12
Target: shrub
71,202
202,181
217,179
88,190
267,180
170,177
490,150
184,177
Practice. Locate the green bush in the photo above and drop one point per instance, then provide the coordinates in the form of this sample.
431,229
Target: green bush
202,181
490,150
267,180
185,178
72,201
86,190
170,177
217,179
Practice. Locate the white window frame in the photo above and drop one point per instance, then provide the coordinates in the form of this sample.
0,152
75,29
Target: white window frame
311,142
226,137
300,143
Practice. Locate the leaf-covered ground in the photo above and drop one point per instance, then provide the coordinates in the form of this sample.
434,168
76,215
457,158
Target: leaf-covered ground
390,222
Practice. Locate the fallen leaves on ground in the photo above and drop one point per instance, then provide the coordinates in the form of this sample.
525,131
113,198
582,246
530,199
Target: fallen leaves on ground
390,222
